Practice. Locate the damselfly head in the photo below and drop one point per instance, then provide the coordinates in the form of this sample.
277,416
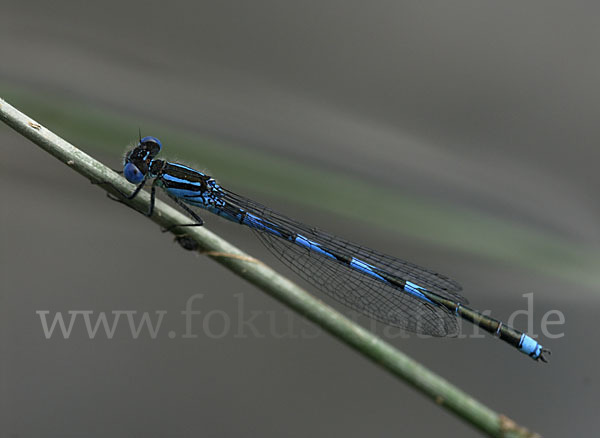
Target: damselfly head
137,161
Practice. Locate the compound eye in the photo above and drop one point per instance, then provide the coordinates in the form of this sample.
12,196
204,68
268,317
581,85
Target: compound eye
152,144
132,173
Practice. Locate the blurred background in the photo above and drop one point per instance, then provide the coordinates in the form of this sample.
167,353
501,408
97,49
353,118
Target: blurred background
459,135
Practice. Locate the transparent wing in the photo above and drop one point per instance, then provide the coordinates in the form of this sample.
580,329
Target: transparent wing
358,291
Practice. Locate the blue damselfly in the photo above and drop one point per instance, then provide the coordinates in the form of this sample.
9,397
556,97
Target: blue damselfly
382,287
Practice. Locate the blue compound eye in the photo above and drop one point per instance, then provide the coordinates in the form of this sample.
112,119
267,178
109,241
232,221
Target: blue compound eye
133,174
152,143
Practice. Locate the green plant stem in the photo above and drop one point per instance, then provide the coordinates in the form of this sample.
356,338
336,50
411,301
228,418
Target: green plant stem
433,386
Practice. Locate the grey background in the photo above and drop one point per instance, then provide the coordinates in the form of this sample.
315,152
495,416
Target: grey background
487,107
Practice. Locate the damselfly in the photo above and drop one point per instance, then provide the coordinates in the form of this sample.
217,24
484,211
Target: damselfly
382,287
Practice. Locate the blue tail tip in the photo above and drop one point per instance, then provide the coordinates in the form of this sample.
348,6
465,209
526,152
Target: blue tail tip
532,348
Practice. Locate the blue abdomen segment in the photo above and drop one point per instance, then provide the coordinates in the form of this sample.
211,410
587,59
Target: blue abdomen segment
530,346
365,268
257,223
416,290
312,246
